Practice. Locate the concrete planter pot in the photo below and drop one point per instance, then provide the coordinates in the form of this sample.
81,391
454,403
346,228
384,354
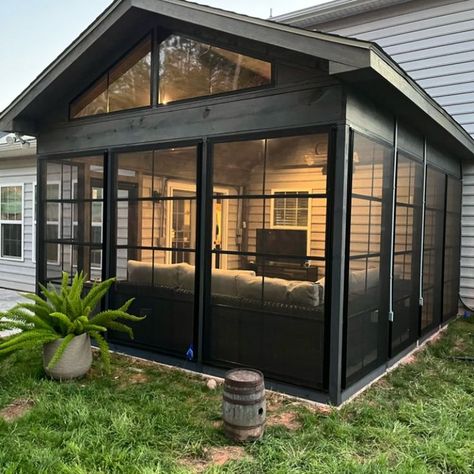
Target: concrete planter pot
75,362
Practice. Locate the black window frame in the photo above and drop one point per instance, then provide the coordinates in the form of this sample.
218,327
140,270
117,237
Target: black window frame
384,254
204,196
243,51
150,34
157,37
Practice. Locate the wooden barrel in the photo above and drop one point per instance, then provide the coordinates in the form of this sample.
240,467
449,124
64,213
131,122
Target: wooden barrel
244,407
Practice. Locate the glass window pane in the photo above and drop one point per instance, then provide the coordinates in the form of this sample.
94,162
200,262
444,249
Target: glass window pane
11,217
127,85
297,164
11,203
135,175
175,172
433,249
239,167
190,69
407,252
11,240
130,80
452,248
91,102
368,256
268,241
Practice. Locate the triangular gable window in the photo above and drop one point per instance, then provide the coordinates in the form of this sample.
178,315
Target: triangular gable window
127,85
189,68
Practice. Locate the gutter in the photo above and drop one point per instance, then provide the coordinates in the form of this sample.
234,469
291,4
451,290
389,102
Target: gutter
334,10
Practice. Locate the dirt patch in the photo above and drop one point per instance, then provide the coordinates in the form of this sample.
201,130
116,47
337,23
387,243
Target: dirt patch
217,456
16,409
288,419
275,402
132,376
411,359
323,409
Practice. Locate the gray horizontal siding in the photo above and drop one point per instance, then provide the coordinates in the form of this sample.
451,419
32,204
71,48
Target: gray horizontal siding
20,274
434,43
467,232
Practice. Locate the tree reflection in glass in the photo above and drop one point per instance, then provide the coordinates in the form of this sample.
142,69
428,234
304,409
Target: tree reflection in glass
189,68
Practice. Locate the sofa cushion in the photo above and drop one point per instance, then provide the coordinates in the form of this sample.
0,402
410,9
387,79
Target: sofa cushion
361,281
224,282
164,274
186,276
250,287
139,273
303,293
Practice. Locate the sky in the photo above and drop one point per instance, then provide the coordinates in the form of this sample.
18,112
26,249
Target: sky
34,32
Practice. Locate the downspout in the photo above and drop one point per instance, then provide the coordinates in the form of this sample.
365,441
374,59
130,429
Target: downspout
392,231
423,211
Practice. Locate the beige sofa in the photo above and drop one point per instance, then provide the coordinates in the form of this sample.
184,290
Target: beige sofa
241,284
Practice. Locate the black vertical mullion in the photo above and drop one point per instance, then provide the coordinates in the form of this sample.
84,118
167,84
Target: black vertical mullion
155,65
203,259
441,316
41,260
423,243
109,248
393,229
345,261
334,263
385,258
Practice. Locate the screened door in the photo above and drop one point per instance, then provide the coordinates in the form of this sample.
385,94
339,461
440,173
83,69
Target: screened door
433,249
367,289
407,252
452,248
155,222
268,255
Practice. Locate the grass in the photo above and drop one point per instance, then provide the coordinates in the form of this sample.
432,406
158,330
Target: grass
148,419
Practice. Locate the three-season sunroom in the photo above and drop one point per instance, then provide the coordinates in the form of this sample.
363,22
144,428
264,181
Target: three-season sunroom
271,197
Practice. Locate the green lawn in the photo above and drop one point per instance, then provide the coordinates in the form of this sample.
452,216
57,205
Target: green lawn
146,419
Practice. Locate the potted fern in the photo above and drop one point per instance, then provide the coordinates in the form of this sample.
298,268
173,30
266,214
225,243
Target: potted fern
62,321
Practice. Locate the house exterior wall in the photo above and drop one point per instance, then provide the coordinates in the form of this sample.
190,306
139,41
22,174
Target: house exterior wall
432,40
20,274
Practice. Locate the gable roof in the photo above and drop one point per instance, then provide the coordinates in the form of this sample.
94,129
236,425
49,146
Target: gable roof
351,59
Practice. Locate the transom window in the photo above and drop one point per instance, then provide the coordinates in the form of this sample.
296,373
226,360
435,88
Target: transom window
125,86
187,69
11,221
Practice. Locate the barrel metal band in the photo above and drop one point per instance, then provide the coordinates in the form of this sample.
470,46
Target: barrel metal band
243,390
243,402
243,428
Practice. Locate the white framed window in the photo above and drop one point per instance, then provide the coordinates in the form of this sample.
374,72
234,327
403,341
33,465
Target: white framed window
290,210
11,222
